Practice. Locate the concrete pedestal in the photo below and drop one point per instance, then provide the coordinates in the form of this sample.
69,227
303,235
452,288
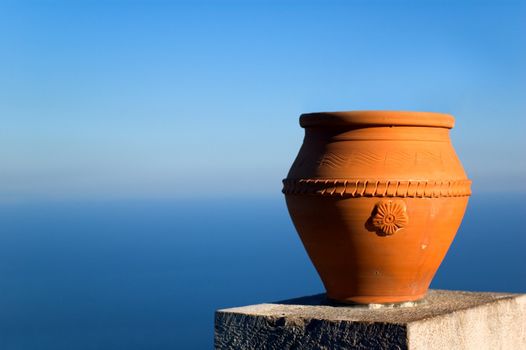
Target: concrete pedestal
443,320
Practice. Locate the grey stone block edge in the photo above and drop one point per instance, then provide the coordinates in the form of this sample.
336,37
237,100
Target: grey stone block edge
239,331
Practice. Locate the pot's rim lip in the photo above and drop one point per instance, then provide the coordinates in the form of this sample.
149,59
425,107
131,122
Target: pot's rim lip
387,118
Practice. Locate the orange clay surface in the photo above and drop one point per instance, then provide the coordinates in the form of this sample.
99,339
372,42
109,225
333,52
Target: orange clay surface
377,198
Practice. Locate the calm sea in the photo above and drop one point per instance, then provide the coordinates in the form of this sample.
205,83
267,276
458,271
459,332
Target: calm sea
149,274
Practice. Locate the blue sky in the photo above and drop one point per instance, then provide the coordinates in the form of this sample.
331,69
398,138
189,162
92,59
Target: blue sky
167,99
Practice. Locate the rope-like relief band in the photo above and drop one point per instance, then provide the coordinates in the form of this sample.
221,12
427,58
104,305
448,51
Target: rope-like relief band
377,188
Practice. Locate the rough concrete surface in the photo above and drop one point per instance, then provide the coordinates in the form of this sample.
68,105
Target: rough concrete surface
443,320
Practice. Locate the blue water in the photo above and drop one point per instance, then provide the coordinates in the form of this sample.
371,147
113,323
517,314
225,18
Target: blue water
149,274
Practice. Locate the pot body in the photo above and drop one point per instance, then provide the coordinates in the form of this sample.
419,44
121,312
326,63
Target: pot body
377,198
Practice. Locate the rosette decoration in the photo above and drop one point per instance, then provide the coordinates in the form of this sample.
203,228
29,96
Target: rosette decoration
390,217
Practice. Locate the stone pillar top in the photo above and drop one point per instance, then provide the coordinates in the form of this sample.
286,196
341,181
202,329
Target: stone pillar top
443,320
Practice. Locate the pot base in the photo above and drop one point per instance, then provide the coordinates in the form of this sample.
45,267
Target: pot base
382,300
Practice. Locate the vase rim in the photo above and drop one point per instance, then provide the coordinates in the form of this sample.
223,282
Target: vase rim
383,118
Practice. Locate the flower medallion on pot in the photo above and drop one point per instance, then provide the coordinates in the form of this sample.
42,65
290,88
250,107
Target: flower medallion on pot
389,217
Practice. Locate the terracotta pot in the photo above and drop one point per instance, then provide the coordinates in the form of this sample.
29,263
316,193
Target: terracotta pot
377,198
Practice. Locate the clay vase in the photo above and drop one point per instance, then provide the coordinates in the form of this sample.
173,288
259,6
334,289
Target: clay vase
377,198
